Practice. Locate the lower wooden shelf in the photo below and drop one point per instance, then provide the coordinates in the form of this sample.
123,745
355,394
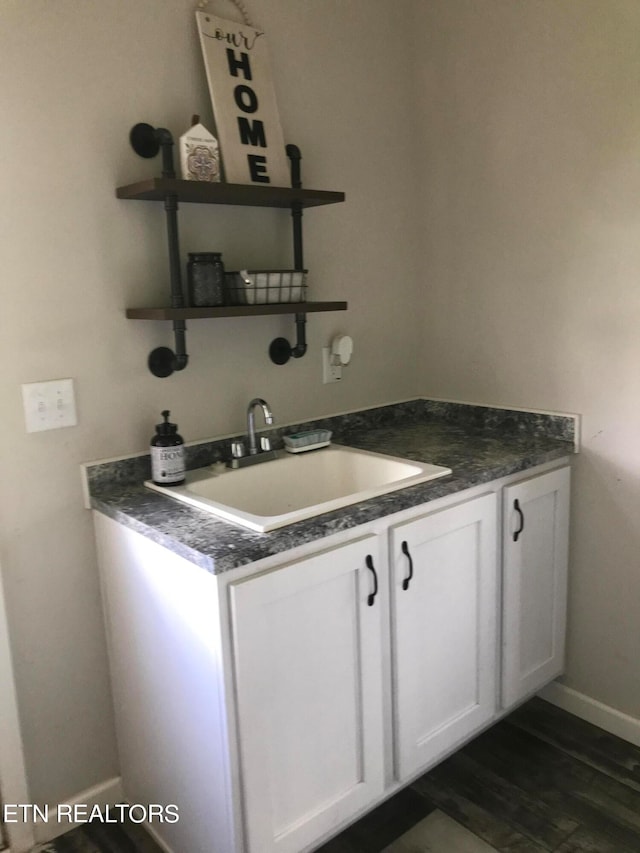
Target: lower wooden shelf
232,311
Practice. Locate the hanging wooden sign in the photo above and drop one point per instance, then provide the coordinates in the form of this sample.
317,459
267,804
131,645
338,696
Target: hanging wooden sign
244,103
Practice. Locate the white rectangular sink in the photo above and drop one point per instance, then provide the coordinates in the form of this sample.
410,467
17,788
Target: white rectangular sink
293,487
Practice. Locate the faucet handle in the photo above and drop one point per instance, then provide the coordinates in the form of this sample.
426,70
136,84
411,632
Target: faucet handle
237,449
265,443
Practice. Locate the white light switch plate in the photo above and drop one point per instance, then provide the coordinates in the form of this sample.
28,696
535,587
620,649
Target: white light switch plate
49,405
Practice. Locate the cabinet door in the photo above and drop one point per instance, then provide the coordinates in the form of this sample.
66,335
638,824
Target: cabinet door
443,629
535,553
308,677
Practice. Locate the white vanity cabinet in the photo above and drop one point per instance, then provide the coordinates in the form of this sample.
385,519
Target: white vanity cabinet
309,640
445,602
306,641
535,560
277,702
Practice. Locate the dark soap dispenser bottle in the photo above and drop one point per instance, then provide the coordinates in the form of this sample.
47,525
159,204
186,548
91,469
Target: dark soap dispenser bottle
167,454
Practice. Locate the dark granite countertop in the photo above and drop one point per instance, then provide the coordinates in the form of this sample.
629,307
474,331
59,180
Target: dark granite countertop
479,444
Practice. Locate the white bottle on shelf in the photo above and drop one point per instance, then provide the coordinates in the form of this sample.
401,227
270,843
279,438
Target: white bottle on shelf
199,154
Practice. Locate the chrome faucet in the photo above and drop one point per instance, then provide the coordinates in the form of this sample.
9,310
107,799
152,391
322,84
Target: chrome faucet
256,454
251,423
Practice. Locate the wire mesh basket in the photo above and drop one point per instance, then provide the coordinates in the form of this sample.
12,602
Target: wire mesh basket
261,287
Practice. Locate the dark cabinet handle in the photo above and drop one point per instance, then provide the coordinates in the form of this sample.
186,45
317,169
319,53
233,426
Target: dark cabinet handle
516,506
371,597
405,550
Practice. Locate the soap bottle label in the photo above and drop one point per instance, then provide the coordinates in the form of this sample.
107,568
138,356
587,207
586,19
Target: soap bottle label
167,464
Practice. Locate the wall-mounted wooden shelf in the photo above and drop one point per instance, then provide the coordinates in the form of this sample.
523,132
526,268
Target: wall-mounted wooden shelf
202,192
232,311
147,142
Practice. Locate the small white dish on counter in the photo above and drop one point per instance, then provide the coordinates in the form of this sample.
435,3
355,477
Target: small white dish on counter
294,487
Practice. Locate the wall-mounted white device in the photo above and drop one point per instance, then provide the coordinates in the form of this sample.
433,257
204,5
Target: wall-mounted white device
334,357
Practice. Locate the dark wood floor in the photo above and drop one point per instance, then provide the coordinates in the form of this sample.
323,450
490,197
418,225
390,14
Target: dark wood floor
540,780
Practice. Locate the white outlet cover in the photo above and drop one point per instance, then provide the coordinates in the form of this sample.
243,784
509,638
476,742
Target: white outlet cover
330,372
49,405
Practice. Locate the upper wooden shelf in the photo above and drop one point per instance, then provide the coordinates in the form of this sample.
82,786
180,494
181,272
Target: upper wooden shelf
204,192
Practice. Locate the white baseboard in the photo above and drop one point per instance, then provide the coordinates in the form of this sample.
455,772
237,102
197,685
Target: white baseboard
106,793
13,776
597,713
162,844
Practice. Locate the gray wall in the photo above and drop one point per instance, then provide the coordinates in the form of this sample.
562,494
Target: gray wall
532,267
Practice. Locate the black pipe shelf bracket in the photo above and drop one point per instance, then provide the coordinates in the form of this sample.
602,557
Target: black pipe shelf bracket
281,350
147,141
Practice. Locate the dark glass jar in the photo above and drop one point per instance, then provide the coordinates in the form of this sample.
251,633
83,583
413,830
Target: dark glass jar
205,279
